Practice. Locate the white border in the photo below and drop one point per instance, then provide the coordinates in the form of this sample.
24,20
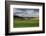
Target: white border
27,28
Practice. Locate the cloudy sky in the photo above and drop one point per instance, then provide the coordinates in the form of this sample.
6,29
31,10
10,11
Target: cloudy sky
26,12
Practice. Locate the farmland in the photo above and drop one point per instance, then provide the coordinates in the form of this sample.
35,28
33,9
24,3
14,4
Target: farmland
33,22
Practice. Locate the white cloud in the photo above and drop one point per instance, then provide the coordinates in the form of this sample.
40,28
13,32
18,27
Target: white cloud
26,12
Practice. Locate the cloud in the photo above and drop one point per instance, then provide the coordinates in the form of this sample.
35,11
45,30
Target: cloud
26,12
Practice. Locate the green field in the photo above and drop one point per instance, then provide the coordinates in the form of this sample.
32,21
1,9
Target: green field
33,22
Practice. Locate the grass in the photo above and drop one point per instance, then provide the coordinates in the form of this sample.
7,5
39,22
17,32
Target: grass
33,22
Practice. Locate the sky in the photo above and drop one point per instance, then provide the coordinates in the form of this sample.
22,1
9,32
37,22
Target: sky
26,12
